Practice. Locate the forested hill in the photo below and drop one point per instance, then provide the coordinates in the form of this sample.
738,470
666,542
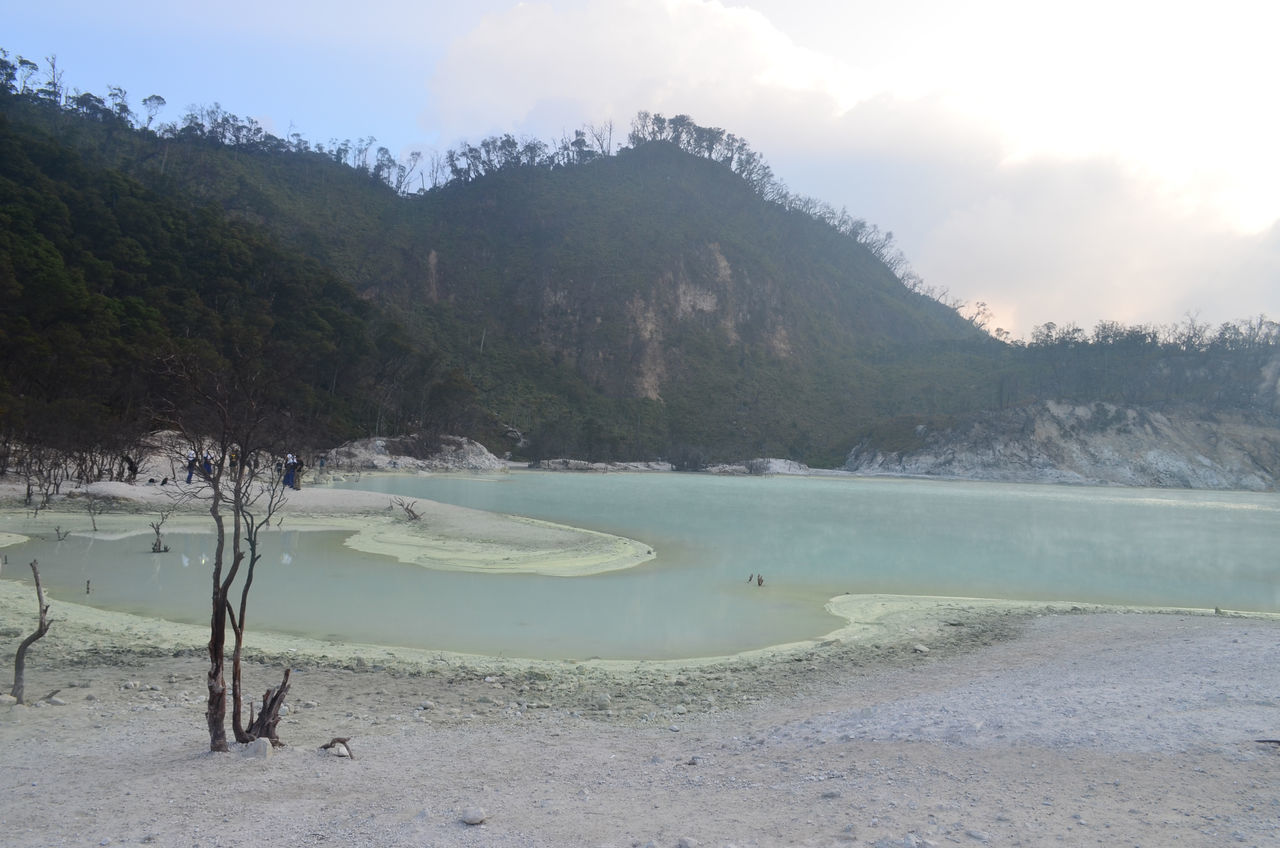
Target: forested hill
634,305
109,287
663,285
666,299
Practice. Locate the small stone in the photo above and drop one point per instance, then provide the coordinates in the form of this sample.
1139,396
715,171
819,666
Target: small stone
57,702
681,709
920,649
7,701
601,701
473,815
259,749
687,842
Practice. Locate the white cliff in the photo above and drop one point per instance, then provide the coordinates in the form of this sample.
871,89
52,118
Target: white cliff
1092,444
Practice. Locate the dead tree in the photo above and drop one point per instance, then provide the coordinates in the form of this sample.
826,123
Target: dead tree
264,726
20,661
157,545
44,470
255,509
96,507
408,507
230,410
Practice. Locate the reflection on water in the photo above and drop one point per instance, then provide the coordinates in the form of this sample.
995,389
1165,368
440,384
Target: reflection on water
812,538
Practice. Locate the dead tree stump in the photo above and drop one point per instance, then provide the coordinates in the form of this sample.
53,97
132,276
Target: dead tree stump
264,725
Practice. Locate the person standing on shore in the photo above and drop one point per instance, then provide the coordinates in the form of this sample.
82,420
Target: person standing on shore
191,464
290,469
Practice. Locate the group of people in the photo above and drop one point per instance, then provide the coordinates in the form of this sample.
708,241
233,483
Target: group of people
206,464
291,467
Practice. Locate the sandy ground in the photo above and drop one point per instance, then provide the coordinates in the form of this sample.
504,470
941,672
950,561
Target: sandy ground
924,722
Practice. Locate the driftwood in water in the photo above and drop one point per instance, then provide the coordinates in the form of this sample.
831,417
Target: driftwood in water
20,661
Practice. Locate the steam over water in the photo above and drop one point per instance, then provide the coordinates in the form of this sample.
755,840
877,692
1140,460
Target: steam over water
811,537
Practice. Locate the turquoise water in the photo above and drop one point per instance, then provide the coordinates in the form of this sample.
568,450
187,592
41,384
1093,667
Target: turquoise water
811,538
831,534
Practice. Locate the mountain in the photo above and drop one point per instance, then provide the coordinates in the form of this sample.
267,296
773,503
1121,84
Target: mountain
648,304
658,282
664,302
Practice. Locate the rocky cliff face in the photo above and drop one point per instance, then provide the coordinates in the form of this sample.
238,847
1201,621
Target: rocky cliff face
1094,444
414,453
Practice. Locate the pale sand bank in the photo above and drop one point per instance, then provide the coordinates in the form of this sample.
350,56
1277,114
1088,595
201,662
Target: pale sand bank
1027,724
444,537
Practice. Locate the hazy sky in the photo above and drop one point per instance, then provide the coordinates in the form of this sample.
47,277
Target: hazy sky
1064,162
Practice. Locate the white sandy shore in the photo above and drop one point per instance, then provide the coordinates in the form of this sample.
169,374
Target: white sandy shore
1020,725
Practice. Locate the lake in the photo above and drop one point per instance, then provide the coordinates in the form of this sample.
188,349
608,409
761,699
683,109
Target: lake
810,537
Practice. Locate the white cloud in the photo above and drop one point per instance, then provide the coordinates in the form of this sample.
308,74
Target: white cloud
589,59
1069,163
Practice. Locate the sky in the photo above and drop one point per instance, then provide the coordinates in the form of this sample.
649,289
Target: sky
1060,162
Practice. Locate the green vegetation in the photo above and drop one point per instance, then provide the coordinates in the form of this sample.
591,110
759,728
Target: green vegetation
666,299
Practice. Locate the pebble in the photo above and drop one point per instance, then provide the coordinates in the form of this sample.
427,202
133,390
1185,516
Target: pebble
259,749
474,815
920,649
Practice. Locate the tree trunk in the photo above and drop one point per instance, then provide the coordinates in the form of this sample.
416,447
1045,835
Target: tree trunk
20,660
216,713
237,722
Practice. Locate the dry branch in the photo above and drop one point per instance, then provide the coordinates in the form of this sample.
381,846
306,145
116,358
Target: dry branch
341,743
408,507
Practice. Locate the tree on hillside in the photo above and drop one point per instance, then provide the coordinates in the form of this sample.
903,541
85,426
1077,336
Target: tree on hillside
153,103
